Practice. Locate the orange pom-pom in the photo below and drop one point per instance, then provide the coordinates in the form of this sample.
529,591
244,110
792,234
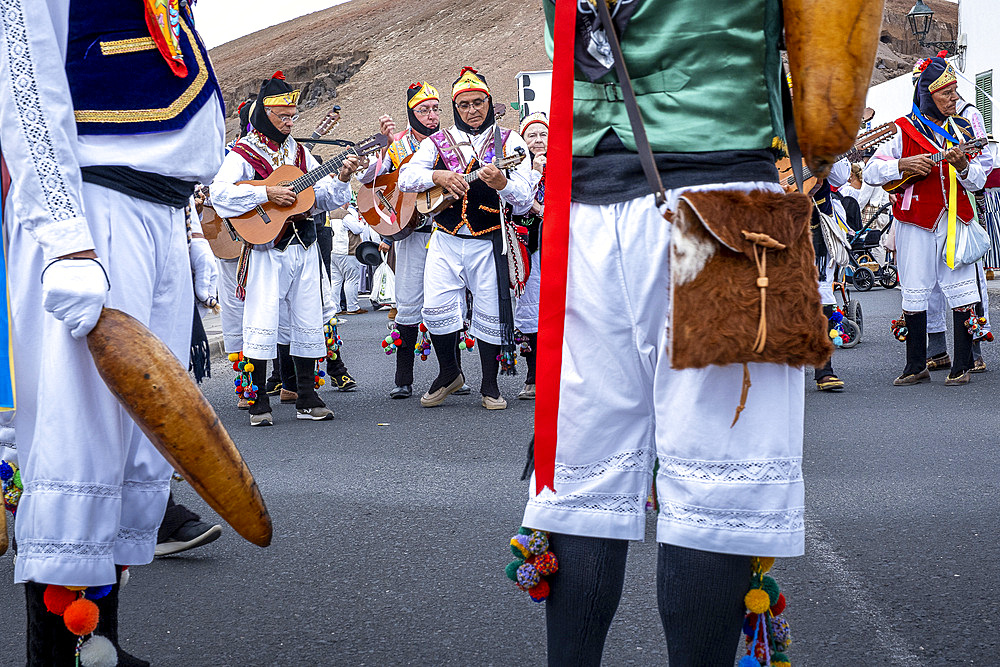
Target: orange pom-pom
81,617
57,598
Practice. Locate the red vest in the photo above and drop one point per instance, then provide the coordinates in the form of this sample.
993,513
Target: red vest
927,197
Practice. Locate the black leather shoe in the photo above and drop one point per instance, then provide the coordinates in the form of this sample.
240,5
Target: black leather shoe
401,392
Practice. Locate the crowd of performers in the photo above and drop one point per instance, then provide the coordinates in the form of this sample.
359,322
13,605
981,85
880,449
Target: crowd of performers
102,213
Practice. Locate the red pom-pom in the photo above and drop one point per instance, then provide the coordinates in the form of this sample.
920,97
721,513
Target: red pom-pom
540,591
57,598
278,75
423,327
467,69
546,563
943,53
81,617
778,606
398,342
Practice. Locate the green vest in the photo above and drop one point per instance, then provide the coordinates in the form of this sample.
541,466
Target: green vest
707,77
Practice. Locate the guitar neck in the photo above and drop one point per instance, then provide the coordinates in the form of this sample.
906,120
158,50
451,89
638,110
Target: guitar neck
306,181
309,145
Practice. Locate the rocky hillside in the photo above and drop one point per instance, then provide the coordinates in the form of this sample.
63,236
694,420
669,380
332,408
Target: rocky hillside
363,54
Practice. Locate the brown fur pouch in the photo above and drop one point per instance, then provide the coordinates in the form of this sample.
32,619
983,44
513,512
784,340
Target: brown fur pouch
744,283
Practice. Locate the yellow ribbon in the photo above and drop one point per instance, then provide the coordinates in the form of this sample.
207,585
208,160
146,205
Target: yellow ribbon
952,216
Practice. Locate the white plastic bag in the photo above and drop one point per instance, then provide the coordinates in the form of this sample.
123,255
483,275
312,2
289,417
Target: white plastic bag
383,286
971,244
836,240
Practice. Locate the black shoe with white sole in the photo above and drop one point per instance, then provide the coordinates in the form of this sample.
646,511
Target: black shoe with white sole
191,534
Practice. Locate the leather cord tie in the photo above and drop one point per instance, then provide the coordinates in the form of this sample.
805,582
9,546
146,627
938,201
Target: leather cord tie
764,242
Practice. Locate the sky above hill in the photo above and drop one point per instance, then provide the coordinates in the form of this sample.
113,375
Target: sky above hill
221,21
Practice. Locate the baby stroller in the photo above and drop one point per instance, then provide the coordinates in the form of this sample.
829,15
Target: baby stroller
863,270
850,323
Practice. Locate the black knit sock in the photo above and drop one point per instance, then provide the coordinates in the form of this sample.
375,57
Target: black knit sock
49,642
446,349
337,367
530,357
488,353
107,624
286,367
584,596
962,359
937,343
700,597
916,342
174,517
405,354
305,378
262,404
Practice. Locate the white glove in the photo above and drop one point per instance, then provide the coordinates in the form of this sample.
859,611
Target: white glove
74,291
206,270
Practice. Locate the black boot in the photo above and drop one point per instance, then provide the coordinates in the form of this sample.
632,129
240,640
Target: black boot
107,624
916,350
305,378
50,644
530,357
446,350
489,358
961,362
262,404
405,356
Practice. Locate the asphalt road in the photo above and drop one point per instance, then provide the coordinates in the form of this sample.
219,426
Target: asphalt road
391,525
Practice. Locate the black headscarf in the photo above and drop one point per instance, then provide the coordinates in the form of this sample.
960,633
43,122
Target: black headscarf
244,115
276,85
413,119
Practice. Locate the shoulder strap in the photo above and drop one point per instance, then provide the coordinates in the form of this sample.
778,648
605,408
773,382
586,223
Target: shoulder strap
632,107
260,165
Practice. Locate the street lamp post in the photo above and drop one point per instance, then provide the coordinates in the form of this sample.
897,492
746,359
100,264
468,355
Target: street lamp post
919,19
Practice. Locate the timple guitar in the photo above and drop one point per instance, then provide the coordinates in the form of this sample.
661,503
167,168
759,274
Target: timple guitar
384,206
876,136
324,126
971,149
221,236
437,198
266,222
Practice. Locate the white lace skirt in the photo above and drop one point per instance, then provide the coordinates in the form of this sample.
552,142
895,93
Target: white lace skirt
725,489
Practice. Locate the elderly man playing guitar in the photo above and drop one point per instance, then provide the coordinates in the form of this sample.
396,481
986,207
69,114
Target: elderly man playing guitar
286,270
467,255
931,214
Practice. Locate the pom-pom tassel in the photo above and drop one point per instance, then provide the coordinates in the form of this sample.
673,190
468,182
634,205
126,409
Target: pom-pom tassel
98,652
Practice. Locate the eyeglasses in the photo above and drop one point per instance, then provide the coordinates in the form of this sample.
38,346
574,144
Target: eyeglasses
291,118
427,112
475,104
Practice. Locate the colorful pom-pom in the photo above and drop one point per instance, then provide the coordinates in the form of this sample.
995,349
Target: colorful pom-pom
757,601
780,660
778,606
519,546
539,592
781,632
538,542
546,563
512,569
97,592
80,617
98,652
6,471
233,356
528,576
57,598
771,587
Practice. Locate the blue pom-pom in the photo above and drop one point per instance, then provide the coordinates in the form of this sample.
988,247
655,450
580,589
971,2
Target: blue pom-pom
6,471
321,373
749,661
97,592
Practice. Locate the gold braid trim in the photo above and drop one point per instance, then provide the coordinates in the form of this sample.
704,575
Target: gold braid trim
165,113
119,46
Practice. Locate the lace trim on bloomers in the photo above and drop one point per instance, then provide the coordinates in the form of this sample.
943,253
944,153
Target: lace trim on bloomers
755,471
60,204
634,461
52,549
734,520
146,486
73,488
598,503
136,535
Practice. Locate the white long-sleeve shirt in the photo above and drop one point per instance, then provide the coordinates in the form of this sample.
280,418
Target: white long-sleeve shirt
416,175
351,222
884,165
40,143
231,200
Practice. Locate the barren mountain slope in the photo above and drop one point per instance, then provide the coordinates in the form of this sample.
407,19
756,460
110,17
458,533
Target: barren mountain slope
367,52
363,54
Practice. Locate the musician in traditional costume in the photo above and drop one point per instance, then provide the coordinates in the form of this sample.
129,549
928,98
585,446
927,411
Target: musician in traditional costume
535,132
727,490
102,169
465,248
928,213
286,271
